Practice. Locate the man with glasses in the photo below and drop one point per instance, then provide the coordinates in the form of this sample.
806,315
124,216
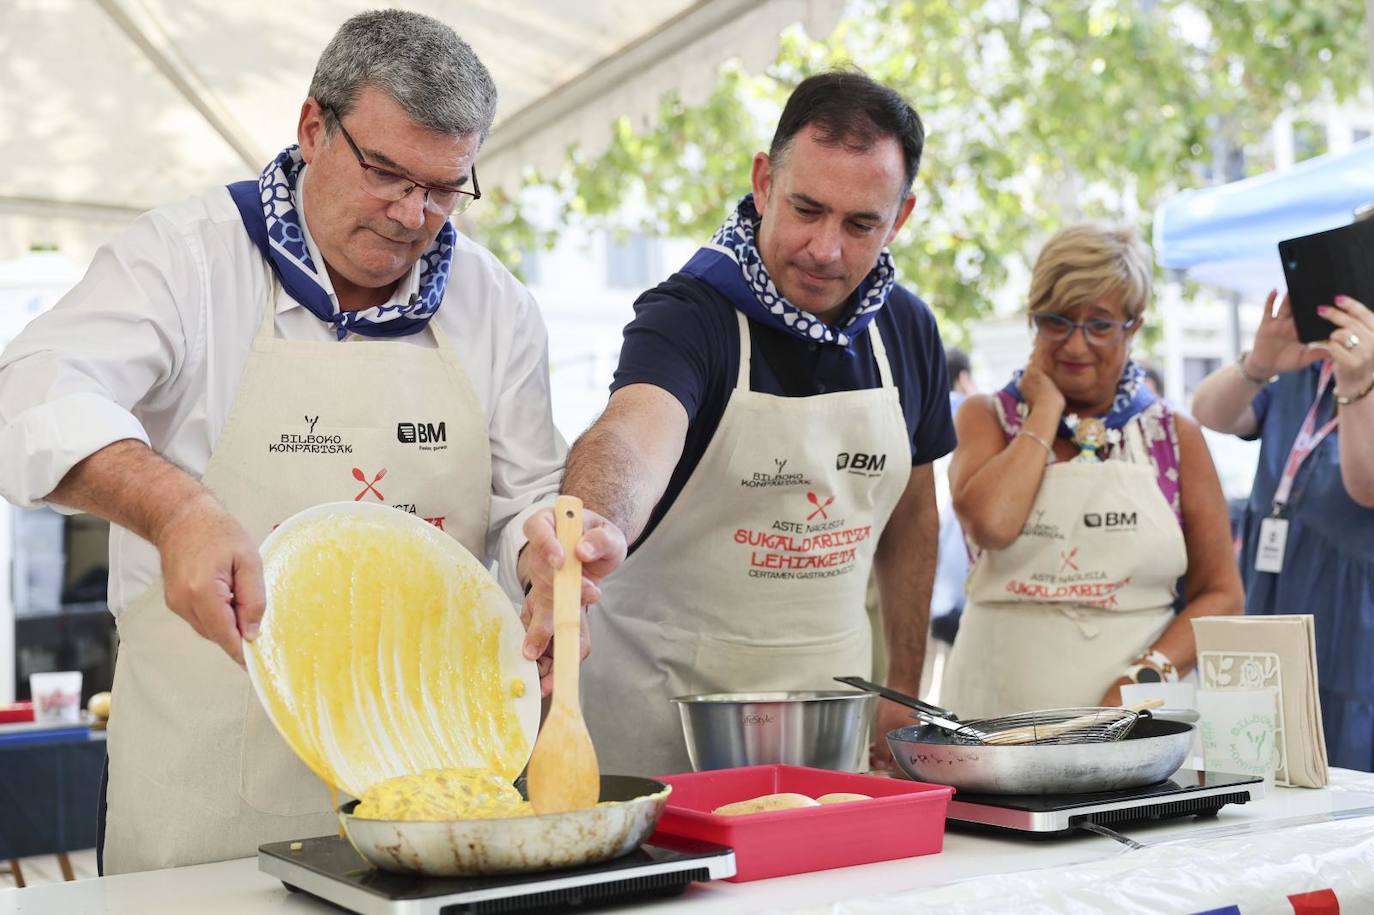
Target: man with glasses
319,333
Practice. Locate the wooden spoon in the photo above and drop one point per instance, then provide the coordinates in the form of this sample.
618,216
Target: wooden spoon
563,774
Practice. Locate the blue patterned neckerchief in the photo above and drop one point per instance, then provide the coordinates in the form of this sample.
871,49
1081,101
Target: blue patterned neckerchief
1131,398
268,209
731,265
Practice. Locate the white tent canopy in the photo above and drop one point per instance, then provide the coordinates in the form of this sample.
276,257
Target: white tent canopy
112,107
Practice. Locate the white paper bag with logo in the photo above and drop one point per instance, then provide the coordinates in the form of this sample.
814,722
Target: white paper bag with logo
1248,652
1238,728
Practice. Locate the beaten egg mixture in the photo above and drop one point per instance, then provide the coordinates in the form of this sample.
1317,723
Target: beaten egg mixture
447,794
443,794
381,653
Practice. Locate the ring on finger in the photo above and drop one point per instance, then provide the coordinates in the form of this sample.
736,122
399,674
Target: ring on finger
1352,340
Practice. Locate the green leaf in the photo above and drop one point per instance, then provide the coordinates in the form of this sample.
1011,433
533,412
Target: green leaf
1038,113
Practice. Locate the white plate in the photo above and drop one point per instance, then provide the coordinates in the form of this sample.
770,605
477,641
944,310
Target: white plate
371,703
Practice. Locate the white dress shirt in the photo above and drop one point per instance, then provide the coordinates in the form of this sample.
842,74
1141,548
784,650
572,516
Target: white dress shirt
152,342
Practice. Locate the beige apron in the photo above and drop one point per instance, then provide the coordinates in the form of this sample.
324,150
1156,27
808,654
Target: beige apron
197,771
754,580
1057,616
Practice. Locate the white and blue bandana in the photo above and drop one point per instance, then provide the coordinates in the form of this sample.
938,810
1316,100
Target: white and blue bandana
269,211
731,265
1132,396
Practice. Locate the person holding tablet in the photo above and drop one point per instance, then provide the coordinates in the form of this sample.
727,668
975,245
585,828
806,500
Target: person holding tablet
1308,530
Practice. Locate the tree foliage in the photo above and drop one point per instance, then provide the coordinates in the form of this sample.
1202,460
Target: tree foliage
1038,112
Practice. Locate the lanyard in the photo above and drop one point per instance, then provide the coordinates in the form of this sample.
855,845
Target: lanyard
1306,442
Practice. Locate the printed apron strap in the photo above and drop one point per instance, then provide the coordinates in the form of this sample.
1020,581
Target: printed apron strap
440,338
267,328
742,381
885,374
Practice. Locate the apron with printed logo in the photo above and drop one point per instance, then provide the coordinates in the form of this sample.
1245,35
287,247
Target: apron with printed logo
197,771
1056,617
755,578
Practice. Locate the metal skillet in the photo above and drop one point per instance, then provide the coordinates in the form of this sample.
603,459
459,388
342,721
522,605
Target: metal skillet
452,848
1150,753
1151,750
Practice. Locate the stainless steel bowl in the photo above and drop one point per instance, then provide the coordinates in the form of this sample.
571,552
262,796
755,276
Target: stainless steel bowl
825,729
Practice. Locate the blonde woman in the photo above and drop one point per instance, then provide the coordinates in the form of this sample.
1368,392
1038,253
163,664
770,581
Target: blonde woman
1084,499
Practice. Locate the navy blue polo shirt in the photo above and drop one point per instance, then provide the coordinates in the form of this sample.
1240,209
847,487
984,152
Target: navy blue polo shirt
684,338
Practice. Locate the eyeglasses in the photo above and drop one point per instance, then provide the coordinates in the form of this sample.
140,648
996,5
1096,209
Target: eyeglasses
1097,331
387,185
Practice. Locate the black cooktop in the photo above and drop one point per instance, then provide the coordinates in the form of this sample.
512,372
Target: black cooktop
328,867
1188,792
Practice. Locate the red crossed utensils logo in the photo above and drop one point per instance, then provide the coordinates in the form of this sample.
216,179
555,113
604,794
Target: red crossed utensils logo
369,485
820,506
1067,560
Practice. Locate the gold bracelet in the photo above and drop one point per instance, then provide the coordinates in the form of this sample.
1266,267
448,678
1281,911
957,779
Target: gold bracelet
1049,449
1258,382
1347,401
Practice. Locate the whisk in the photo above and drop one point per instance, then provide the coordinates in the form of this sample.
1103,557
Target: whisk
1072,725
1067,725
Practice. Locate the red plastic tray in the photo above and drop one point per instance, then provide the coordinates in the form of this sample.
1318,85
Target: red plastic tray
16,712
903,819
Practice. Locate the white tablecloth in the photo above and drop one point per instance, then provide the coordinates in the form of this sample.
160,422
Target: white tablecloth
1311,839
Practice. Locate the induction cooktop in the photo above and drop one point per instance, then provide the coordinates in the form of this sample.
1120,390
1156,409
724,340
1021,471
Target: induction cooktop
1189,792
329,868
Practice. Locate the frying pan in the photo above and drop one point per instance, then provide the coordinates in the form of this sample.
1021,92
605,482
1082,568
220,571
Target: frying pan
392,728
450,848
1150,753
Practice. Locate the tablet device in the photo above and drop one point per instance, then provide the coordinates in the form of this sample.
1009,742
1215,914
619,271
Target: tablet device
1322,266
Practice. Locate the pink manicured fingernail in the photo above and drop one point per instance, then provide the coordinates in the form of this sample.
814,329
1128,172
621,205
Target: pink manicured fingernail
1343,300
1323,309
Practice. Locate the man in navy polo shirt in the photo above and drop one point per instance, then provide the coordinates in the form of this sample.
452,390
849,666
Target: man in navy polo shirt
767,443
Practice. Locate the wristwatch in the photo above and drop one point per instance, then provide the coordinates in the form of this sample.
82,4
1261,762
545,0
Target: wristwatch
1153,667
1143,673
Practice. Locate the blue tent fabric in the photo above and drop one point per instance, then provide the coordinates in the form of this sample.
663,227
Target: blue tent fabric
1228,234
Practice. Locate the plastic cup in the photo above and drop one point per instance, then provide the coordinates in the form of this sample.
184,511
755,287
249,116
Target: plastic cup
56,696
1176,696
1238,730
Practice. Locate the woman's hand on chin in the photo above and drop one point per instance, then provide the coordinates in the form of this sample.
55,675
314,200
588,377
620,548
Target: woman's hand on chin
1038,388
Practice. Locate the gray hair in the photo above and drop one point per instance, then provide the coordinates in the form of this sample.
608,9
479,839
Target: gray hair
416,60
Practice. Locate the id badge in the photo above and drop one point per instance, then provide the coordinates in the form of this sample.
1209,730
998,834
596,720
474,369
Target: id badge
1273,536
